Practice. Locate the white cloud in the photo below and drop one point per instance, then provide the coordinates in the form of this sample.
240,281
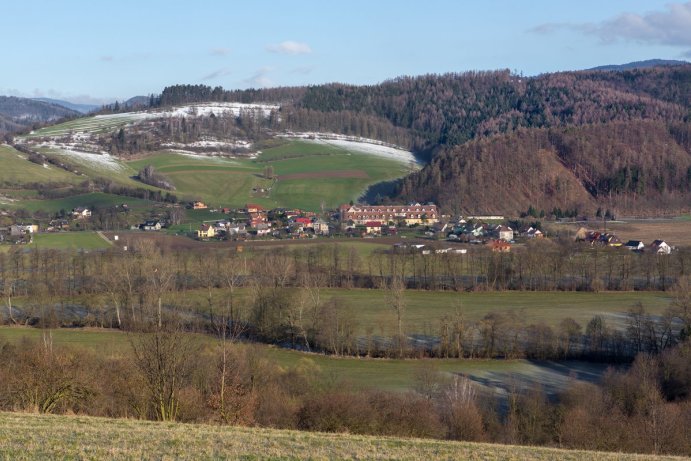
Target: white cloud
289,47
260,79
217,73
671,27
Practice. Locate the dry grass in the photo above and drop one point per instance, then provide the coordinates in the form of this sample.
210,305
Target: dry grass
29,436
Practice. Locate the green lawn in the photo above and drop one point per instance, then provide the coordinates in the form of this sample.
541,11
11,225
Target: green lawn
31,436
70,240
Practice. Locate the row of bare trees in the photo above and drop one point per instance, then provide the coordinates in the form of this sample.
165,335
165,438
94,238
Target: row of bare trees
279,297
168,375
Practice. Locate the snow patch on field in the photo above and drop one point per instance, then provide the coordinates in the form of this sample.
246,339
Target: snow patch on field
100,161
358,144
194,110
211,143
218,108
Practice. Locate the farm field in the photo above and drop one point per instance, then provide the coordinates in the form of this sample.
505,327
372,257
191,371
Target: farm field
31,436
94,199
307,175
424,309
70,240
94,124
370,309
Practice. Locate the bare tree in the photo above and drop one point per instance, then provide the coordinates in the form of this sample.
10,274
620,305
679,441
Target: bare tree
164,357
396,299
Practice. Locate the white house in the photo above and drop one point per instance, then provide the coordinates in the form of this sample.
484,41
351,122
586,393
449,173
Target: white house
660,247
81,213
634,245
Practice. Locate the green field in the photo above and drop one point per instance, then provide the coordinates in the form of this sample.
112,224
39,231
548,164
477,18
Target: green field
70,240
94,199
95,124
307,174
17,169
424,310
314,173
31,436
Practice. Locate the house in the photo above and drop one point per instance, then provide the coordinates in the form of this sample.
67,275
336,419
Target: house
660,247
410,214
321,227
440,227
237,229
151,225
253,208
206,231
257,218
499,246
634,245
262,229
306,223
58,225
533,233
81,213
199,205
373,227
23,229
504,233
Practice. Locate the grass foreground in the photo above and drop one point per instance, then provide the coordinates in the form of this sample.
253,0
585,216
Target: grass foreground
32,436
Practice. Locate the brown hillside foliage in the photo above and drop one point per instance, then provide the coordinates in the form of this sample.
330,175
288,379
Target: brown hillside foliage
627,166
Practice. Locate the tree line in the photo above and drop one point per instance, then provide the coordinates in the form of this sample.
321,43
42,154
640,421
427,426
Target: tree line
167,375
279,297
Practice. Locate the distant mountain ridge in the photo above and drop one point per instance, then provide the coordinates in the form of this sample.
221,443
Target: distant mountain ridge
18,113
81,108
648,63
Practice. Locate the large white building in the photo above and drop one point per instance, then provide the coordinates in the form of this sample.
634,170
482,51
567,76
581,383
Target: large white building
413,213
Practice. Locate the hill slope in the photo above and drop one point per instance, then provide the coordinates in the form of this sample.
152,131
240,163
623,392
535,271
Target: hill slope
624,166
18,113
27,436
81,108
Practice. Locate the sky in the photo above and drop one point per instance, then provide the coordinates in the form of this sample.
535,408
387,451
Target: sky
100,51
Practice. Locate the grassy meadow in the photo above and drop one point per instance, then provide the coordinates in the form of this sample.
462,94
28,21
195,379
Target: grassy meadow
17,169
307,175
32,436
423,310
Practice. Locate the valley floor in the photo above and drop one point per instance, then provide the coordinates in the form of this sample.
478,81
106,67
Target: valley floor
31,436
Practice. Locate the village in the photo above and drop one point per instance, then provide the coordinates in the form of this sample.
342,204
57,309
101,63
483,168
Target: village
398,221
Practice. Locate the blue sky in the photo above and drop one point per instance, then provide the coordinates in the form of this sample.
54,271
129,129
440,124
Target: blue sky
102,50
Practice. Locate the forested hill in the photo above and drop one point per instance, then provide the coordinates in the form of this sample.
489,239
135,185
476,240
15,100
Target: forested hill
18,113
451,109
638,166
